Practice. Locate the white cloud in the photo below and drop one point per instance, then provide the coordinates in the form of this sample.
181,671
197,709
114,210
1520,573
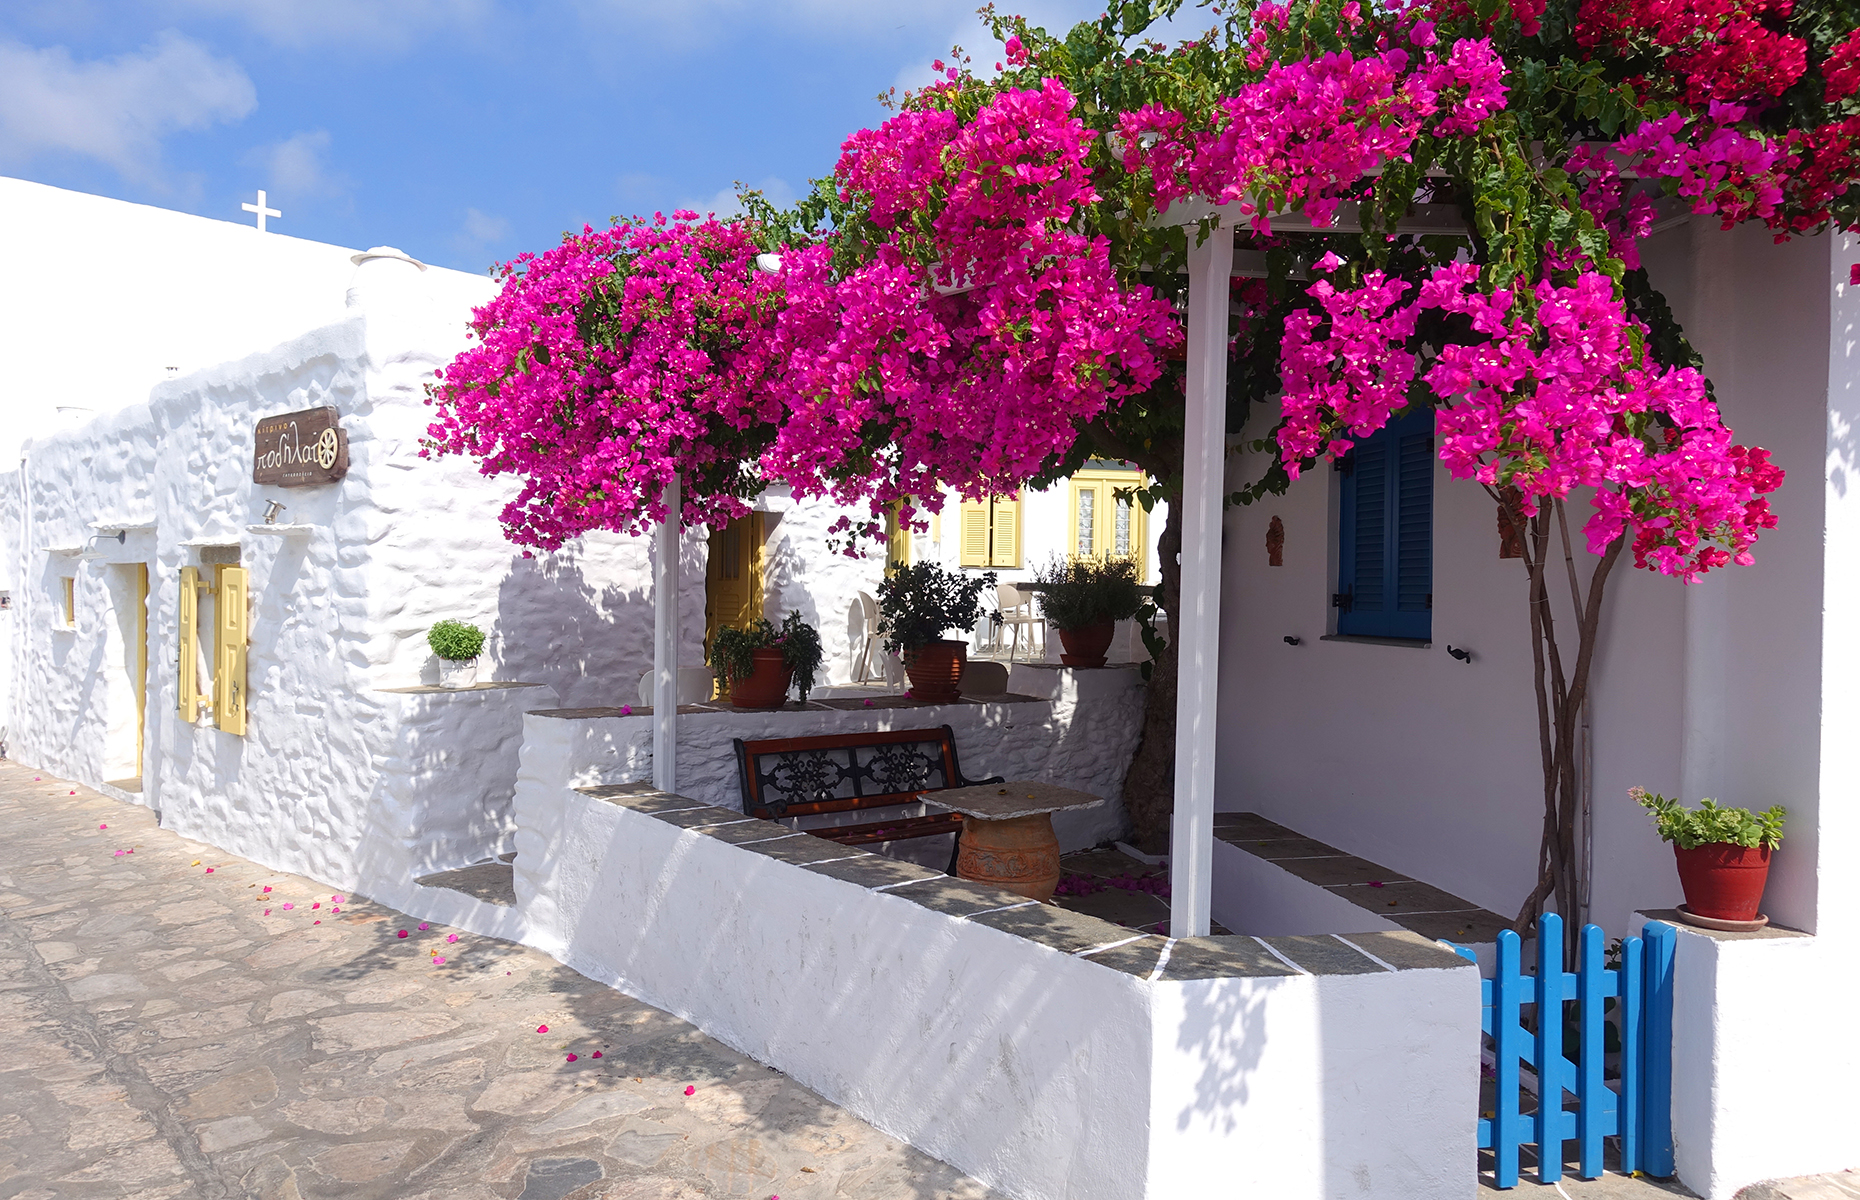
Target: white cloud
295,168
115,110
358,24
725,204
478,232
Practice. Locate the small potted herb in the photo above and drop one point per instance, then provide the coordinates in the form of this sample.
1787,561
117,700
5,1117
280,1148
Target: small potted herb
457,644
1723,856
760,663
1084,598
917,604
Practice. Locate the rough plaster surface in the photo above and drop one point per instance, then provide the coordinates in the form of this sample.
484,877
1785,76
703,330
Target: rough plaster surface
168,1041
1039,1072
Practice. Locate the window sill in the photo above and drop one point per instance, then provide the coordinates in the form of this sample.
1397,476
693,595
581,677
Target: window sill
1410,643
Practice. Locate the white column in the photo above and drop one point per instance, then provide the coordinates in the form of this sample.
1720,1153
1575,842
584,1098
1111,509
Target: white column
665,645
1198,633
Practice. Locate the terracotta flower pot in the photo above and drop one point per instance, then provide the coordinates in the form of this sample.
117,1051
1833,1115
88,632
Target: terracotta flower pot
1085,646
1019,855
767,685
935,671
1723,881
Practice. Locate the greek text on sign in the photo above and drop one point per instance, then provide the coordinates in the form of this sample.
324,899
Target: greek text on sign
300,449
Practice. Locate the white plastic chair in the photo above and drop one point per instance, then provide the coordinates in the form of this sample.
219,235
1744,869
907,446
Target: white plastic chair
1017,610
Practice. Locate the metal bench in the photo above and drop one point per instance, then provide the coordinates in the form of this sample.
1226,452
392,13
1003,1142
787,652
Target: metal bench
853,772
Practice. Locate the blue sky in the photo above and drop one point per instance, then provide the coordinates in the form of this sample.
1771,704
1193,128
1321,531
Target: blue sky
462,131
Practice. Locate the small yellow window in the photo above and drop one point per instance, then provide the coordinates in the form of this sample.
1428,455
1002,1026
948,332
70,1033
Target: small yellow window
1105,523
991,532
70,582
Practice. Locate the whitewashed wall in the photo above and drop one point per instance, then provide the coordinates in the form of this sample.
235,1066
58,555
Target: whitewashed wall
342,592
202,291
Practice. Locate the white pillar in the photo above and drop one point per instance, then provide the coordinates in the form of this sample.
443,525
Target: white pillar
1198,631
665,645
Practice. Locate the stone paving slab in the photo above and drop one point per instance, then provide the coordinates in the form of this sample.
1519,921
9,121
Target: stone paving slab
165,1037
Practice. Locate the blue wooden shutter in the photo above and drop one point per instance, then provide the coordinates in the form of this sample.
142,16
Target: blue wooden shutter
1385,577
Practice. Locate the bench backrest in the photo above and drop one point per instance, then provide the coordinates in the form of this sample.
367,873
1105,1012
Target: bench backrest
794,777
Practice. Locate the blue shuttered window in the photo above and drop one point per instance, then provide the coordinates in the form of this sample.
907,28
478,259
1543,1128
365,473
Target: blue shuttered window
1385,575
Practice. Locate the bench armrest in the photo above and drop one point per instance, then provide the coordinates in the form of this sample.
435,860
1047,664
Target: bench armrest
979,782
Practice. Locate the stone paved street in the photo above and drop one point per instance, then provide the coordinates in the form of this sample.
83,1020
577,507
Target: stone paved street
164,1037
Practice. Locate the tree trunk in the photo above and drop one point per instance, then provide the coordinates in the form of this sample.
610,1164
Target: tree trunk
1149,788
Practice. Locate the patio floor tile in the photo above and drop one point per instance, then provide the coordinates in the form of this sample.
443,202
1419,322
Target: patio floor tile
1405,949
1323,954
693,818
1221,958
1133,958
1344,869
1404,896
805,849
874,870
957,897
1066,932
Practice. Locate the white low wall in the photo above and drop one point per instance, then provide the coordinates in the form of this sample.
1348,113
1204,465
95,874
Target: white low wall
1252,895
1080,733
1301,1068
1764,1038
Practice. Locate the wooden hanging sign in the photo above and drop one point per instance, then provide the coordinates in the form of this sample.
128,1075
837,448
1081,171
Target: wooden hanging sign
300,449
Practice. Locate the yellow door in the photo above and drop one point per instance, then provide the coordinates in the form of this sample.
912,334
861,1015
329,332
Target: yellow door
1105,524
733,580
229,639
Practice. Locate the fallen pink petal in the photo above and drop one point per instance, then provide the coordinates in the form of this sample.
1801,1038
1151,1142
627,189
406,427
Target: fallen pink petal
597,1054
439,960
424,926
539,1028
452,937
289,907
267,888
209,870
572,1057
402,933
267,912
317,905
103,826
335,899
690,1091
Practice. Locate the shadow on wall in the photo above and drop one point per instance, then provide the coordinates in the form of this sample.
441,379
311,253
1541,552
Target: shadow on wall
554,626
992,1006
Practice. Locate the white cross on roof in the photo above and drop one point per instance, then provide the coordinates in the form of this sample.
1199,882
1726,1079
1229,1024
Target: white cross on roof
261,210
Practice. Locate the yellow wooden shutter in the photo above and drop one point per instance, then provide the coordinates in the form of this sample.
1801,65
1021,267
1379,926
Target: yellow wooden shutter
1004,550
974,549
187,679
229,637
897,538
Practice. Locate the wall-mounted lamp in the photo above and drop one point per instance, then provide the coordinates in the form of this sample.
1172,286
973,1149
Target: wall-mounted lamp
272,509
119,537
1292,641
1460,653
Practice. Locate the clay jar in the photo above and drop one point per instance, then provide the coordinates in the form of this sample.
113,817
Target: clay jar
767,685
1722,881
935,670
1085,646
1020,854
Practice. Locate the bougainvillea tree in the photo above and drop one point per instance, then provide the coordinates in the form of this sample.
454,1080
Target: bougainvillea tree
613,364
987,291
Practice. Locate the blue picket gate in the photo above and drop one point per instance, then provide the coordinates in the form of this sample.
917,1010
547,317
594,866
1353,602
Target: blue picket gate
1640,1111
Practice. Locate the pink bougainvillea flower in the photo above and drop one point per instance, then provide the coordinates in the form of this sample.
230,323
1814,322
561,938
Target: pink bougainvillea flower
267,912
119,854
626,710
334,909
317,905
335,899
452,937
209,870
868,703
424,926
539,1028
289,907
267,887
573,1057
690,1091
103,826
402,933
1853,277
74,791
1375,883
316,922
597,1054
439,960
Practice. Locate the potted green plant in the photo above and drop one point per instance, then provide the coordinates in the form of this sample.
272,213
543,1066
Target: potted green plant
1723,856
917,604
457,644
1084,598
759,664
